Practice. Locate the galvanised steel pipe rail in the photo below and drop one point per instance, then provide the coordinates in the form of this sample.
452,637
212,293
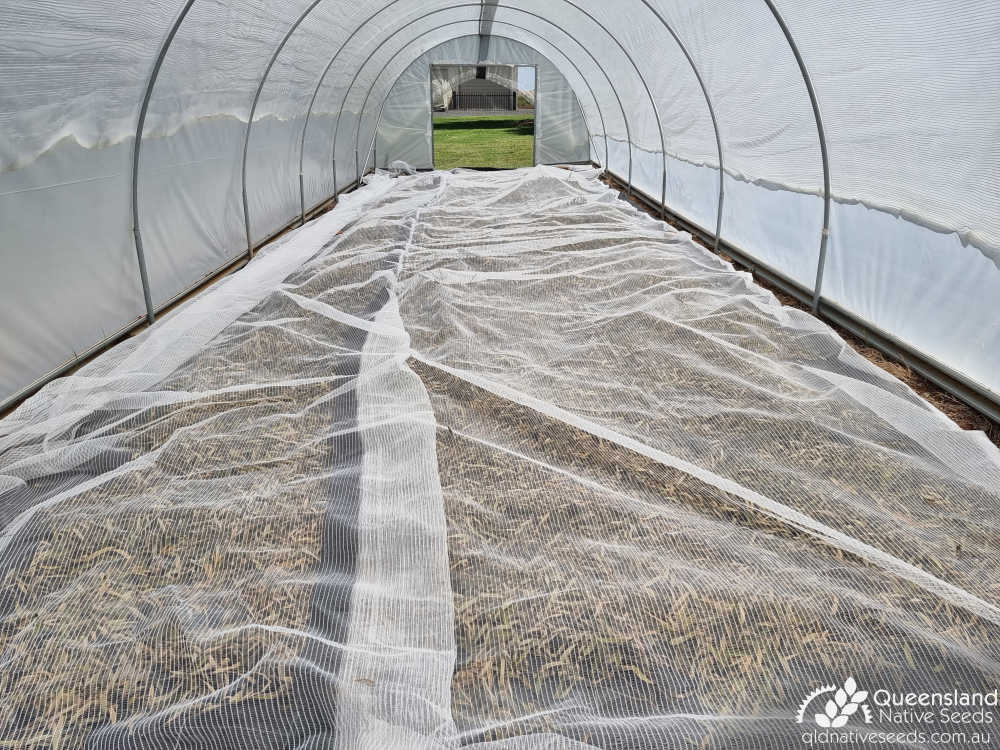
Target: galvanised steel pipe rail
711,112
333,59
253,111
642,79
528,31
137,148
381,109
598,23
652,100
824,154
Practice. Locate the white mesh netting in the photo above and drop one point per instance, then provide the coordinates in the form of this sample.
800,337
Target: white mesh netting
486,461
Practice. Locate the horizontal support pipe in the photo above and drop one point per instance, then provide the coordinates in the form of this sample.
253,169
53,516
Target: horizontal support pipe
824,154
13,401
975,395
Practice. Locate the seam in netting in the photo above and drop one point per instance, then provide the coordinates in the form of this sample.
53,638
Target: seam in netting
873,555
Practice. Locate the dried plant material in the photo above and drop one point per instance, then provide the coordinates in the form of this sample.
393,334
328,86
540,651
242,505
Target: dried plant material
169,584
829,524
573,299
663,510
597,591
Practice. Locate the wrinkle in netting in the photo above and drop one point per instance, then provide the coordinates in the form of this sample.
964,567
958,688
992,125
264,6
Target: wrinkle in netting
498,461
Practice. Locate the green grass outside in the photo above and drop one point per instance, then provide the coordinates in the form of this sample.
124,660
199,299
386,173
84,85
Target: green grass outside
499,141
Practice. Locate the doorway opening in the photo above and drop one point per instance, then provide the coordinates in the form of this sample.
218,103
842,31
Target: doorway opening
483,116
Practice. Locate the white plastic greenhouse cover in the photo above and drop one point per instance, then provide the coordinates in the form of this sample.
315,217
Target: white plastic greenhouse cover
406,133
904,93
491,461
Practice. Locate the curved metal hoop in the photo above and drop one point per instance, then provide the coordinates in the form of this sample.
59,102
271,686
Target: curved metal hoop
652,101
329,65
535,15
137,148
378,119
575,67
818,116
642,79
529,31
312,103
253,111
347,91
711,112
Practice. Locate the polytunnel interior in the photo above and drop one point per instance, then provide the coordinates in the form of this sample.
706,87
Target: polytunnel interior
866,247
493,460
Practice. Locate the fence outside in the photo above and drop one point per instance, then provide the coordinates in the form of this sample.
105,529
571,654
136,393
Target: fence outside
506,102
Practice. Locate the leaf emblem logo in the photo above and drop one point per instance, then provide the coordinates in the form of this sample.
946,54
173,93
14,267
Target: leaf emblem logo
842,706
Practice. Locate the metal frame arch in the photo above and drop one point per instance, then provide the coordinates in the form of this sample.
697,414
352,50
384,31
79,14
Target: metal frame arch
312,102
593,95
137,149
652,100
593,57
631,60
182,14
322,77
378,118
576,68
554,46
361,67
711,112
821,131
253,110
397,53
